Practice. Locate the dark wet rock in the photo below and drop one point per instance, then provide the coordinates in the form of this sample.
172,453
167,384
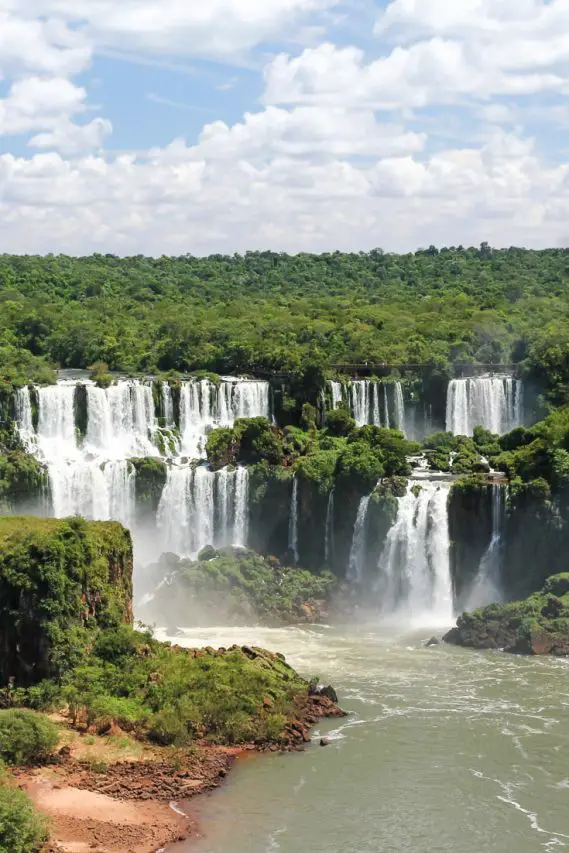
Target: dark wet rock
324,741
328,692
434,641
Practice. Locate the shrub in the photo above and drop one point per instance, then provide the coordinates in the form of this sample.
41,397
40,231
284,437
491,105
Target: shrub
168,729
340,422
22,830
26,737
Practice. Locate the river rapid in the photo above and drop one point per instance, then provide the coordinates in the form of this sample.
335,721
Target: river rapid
444,749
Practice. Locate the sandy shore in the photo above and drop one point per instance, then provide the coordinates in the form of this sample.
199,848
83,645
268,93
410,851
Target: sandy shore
100,800
86,822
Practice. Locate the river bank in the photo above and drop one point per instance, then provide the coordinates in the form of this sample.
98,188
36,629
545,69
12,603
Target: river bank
112,794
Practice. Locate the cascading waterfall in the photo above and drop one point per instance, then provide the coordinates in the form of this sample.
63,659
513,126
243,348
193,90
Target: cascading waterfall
293,522
487,588
201,507
24,416
167,405
414,568
365,403
359,398
356,562
493,402
376,417
399,407
336,393
91,474
204,406
386,407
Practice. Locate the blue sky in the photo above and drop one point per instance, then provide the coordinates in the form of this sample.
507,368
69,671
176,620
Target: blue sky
163,126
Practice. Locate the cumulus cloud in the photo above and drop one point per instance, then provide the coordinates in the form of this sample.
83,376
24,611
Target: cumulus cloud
434,72
212,28
176,199
71,138
338,155
35,102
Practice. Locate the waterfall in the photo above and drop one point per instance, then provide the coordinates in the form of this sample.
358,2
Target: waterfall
399,408
329,533
376,417
251,400
336,392
204,406
293,521
195,417
359,397
241,523
24,419
91,475
356,563
167,405
494,402
487,588
386,407
414,568
201,507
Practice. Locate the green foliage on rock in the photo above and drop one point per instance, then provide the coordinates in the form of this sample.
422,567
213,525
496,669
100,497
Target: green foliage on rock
537,625
172,695
23,480
58,581
151,474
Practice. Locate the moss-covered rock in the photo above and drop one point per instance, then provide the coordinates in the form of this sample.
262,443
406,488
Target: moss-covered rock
270,489
81,410
537,625
24,482
470,529
58,581
151,475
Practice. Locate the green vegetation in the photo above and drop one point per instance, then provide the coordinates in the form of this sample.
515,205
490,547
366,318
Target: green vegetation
150,480
536,625
22,830
58,581
173,695
26,737
236,585
67,640
311,311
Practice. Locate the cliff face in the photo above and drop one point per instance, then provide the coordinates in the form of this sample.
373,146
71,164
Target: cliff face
58,581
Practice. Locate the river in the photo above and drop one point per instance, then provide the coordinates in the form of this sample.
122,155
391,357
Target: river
445,749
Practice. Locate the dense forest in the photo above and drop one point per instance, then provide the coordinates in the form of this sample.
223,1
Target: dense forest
274,312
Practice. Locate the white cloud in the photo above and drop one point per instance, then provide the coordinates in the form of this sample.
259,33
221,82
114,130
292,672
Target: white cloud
179,199
35,102
193,27
323,131
320,167
70,138
40,46
489,18
438,71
